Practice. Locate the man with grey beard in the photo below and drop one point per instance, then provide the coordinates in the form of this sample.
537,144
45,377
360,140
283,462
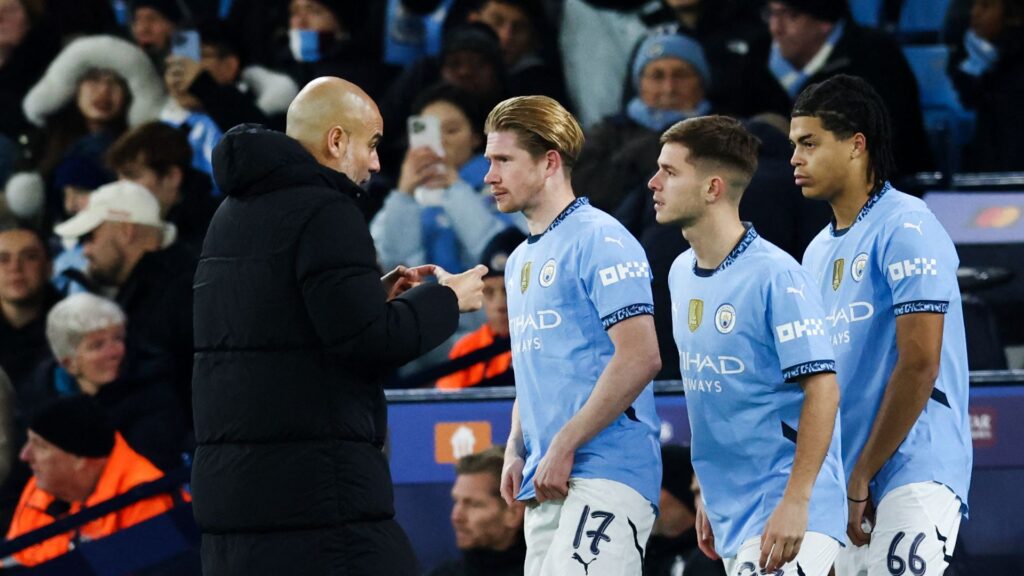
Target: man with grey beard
134,259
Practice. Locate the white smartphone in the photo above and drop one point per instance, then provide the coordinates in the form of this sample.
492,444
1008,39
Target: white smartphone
425,131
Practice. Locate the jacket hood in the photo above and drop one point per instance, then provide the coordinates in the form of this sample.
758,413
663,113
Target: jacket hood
251,160
58,85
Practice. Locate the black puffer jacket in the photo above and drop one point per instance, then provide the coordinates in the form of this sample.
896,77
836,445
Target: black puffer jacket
292,334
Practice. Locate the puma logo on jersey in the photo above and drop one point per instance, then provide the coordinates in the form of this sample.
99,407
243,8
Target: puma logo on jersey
586,565
792,290
614,241
915,226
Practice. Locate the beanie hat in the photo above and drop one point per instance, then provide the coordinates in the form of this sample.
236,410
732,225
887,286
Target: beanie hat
677,473
80,171
77,425
475,37
826,10
678,46
169,9
497,251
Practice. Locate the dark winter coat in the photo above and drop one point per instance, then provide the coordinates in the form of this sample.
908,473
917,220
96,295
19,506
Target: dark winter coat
146,413
193,214
293,332
156,298
997,96
876,57
23,349
19,73
618,156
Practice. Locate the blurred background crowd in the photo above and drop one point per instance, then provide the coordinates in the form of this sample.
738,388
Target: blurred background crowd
110,109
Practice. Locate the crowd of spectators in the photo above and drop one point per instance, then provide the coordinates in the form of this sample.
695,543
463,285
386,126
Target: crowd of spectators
110,109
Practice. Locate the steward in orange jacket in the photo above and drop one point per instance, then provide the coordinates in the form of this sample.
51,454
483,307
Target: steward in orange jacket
78,461
480,338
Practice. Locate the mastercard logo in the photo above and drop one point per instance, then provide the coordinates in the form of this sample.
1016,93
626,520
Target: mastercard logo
997,217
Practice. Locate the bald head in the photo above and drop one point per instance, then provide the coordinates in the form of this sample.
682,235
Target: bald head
339,124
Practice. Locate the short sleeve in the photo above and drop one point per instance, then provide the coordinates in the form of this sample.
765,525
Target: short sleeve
616,275
919,263
797,319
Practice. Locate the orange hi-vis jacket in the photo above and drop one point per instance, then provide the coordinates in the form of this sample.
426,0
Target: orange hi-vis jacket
480,338
125,469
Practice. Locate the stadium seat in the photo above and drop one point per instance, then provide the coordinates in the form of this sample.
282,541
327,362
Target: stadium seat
919,15
867,12
949,125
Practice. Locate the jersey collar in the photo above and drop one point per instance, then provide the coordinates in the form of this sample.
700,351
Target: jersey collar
739,249
572,207
863,211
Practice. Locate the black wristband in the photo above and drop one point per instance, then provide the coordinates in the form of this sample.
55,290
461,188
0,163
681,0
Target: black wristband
858,501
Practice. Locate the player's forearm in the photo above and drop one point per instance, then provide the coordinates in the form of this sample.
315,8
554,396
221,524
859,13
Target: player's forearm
905,397
623,379
817,421
515,444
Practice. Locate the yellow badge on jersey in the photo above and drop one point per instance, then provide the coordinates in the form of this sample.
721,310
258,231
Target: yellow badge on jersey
524,278
837,273
695,315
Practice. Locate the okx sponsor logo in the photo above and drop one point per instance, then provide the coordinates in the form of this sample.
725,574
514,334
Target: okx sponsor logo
799,329
913,267
613,274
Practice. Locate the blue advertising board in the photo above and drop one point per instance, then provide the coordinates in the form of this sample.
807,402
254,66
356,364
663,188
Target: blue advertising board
429,430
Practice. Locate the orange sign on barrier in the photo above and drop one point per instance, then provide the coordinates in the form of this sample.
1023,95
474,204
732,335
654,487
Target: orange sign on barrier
453,440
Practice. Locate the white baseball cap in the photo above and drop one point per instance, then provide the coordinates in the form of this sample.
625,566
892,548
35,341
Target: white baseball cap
120,201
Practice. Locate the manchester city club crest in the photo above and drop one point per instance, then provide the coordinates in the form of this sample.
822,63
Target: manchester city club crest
695,315
547,273
837,273
524,278
859,264
725,318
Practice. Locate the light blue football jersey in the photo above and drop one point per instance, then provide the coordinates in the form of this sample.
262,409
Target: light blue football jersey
566,288
747,331
895,259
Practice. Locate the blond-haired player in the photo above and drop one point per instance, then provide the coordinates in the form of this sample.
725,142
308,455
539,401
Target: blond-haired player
583,452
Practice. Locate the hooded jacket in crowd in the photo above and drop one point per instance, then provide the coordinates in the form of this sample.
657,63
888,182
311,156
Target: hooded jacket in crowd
293,332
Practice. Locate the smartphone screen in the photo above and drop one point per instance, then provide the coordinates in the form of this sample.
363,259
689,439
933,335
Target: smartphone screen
425,131
186,43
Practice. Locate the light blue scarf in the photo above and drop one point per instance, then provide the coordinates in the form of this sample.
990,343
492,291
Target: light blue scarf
793,79
657,119
439,239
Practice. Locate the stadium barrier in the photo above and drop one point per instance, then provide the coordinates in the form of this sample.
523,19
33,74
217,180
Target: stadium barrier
430,429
